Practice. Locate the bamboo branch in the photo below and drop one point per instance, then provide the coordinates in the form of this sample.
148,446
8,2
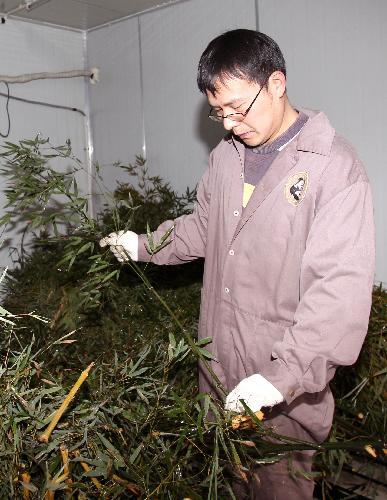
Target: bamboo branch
43,438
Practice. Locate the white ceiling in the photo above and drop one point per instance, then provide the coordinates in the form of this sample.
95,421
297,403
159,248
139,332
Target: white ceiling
77,14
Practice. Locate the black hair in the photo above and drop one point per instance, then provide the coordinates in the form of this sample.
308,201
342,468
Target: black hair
239,53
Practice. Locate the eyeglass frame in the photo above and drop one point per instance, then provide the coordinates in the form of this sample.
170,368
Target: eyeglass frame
219,119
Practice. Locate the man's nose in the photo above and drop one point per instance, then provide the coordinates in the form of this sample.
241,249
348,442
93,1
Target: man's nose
228,123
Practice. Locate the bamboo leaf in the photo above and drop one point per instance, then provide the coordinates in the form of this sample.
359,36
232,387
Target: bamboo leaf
134,455
206,354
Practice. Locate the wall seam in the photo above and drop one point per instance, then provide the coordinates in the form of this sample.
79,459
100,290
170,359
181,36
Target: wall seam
257,15
142,88
88,133
146,11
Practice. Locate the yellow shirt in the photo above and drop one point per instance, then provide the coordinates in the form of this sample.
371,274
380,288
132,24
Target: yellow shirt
248,190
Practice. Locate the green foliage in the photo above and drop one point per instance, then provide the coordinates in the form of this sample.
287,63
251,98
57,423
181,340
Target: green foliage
139,425
33,186
152,199
133,419
43,196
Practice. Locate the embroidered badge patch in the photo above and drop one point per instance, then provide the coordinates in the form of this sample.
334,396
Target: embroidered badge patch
296,188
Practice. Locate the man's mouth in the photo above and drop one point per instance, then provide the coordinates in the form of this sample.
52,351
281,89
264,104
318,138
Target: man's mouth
243,135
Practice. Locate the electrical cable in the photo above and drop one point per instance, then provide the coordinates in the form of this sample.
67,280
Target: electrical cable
42,103
7,110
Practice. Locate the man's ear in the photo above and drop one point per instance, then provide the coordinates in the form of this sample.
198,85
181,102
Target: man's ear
277,84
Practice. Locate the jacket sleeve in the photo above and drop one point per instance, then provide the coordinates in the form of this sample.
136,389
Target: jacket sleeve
337,275
189,235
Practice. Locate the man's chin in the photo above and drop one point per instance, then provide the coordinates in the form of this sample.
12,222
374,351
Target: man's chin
250,140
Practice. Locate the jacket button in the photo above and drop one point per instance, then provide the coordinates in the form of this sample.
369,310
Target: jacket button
231,252
227,290
236,213
241,175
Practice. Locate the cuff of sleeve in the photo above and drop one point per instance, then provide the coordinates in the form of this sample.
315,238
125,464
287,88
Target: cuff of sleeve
282,379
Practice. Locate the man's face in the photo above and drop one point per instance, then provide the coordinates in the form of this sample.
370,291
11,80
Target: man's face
264,121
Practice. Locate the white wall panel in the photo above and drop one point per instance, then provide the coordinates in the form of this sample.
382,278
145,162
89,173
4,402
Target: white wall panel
336,53
116,102
29,48
178,133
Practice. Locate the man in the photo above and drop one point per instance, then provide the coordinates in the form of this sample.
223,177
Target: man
284,221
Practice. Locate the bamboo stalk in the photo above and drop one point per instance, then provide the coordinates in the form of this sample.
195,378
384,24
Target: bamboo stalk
43,438
26,478
86,468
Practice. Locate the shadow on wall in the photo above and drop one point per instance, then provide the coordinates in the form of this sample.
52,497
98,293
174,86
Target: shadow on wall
207,131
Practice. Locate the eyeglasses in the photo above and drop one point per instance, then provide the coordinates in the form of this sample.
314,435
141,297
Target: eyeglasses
216,116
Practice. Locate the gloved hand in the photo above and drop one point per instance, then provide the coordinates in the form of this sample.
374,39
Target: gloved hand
256,392
122,244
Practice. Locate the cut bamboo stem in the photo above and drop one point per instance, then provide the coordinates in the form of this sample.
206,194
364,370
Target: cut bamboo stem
371,450
26,478
245,421
50,494
65,459
43,438
61,478
86,468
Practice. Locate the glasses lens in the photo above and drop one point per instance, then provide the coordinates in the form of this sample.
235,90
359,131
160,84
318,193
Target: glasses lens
235,117
215,115
215,118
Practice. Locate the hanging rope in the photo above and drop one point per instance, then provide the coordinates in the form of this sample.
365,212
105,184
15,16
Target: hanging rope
93,74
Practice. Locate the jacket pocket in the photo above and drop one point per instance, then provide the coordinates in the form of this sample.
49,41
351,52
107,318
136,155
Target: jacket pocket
252,344
260,343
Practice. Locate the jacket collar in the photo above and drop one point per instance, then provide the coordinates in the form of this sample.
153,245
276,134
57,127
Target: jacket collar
316,136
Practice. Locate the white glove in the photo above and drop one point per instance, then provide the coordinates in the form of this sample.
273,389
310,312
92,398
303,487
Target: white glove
256,392
123,244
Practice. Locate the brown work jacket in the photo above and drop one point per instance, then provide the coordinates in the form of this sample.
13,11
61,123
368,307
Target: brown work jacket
287,280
